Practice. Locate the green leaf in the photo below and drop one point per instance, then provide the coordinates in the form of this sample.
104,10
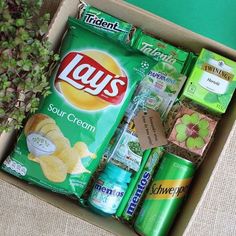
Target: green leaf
2,112
190,143
20,22
180,137
203,132
199,142
211,98
231,87
180,128
224,99
194,118
203,124
186,119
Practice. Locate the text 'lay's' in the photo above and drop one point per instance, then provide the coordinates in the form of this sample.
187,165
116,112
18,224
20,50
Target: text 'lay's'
63,143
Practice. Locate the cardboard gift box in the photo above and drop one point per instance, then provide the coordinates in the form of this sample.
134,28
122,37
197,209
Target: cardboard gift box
173,34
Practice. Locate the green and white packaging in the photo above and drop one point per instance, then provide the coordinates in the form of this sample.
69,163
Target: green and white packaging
142,184
132,184
62,144
160,88
212,81
161,51
106,25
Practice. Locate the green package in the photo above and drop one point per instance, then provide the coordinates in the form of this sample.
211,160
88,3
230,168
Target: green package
142,184
212,81
161,51
105,24
160,88
132,185
62,144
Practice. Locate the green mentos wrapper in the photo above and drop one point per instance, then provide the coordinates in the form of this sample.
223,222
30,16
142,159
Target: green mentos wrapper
105,24
212,81
132,185
62,144
142,184
161,51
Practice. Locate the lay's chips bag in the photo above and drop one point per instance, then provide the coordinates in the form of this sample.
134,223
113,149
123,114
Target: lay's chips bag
61,145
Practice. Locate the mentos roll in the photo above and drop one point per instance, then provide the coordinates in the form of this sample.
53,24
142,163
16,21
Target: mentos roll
142,184
62,144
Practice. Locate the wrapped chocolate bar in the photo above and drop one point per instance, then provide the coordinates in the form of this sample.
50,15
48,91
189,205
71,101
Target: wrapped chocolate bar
192,131
161,51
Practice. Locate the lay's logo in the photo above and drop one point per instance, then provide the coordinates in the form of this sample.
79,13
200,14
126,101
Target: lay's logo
91,80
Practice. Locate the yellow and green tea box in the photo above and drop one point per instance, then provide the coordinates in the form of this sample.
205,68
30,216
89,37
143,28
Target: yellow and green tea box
212,81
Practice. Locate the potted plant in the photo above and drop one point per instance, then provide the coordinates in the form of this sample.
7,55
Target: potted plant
24,69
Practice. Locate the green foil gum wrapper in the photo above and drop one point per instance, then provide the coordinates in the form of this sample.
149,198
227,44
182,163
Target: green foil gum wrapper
106,25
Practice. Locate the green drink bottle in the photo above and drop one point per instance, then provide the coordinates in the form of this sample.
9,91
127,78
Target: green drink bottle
165,196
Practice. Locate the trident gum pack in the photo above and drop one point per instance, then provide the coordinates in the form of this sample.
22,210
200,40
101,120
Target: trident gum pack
62,144
106,25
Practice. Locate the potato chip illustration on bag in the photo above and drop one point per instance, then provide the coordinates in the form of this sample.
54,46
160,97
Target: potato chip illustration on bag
63,143
48,147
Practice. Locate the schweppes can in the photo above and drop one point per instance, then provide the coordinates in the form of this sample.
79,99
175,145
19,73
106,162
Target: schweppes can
165,196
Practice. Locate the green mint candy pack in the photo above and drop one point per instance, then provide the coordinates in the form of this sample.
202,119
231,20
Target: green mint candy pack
142,184
159,89
62,144
212,82
132,185
105,24
161,51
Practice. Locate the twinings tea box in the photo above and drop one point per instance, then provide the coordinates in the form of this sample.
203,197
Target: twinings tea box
212,81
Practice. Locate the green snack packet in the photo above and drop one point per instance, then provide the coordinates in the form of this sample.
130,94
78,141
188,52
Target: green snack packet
161,51
160,88
142,184
132,185
212,81
62,144
104,24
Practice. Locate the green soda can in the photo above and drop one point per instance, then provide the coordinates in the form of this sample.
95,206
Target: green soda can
165,196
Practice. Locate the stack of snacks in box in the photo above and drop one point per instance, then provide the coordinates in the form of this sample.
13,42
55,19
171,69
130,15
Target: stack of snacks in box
63,144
